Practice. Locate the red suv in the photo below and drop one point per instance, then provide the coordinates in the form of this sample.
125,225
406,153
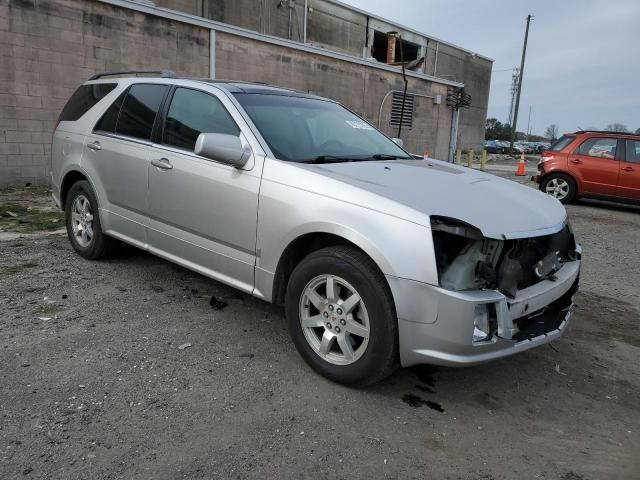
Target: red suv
603,165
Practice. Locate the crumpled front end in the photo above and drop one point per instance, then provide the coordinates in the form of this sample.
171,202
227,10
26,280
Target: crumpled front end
494,298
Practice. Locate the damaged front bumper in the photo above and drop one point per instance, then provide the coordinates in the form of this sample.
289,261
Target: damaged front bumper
436,325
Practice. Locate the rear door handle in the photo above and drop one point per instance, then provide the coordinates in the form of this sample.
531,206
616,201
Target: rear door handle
162,163
576,161
95,146
628,169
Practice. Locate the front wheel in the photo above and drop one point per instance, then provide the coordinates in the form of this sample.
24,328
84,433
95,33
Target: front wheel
560,186
341,316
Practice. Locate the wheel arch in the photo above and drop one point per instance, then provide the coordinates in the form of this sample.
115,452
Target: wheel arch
70,178
306,243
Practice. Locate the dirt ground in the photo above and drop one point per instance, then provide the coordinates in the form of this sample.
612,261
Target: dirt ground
96,381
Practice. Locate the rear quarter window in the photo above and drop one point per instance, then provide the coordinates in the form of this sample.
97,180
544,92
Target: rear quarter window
83,99
561,143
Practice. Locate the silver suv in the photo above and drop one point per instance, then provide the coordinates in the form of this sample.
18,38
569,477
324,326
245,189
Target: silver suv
379,258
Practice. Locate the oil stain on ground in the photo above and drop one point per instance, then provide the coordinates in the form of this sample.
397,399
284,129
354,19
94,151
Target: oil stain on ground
415,401
425,373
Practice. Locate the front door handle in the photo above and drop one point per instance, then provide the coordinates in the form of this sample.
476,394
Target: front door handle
95,146
628,169
576,161
162,163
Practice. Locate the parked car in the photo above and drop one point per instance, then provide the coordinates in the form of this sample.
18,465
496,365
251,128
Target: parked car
604,165
492,146
379,258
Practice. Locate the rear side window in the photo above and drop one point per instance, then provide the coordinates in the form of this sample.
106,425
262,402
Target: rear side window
83,99
139,110
110,118
193,112
633,151
599,147
561,143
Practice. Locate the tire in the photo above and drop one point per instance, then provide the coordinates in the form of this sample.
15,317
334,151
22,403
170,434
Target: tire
362,337
560,186
81,211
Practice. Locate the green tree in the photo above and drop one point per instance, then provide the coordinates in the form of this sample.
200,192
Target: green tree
492,129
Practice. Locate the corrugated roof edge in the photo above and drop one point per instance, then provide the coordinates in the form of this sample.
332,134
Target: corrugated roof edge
224,27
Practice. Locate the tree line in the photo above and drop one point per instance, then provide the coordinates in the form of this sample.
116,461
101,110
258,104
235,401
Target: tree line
496,130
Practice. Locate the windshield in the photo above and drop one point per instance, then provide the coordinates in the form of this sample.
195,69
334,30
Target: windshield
301,129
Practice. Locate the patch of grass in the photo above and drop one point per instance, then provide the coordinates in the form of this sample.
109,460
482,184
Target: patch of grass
13,269
29,219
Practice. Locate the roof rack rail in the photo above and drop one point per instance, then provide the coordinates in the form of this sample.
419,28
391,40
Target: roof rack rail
163,73
607,131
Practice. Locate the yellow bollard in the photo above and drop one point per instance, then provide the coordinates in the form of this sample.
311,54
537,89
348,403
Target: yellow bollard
483,160
470,160
458,156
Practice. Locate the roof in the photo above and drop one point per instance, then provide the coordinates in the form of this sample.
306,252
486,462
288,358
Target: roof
239,86
607,132
232,86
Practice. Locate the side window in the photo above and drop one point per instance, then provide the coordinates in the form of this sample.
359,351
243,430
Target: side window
193,112
139,110
83,99
107,122
633,151
599,147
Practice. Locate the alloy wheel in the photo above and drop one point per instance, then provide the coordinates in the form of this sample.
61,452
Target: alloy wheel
334,320
558,188
82,220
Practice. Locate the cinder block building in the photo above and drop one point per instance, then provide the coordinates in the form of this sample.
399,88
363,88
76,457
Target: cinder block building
49,47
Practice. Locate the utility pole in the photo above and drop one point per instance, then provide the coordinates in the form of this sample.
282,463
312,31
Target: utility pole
515,113
514,90
529,124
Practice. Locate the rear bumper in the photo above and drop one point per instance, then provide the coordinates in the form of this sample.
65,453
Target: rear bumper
437,328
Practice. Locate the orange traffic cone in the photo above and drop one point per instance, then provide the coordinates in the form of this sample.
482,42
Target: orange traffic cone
520,171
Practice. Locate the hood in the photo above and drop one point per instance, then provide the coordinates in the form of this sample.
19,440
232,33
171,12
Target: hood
498,207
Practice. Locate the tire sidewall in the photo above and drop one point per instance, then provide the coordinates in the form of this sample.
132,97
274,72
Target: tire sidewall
83,188
382,319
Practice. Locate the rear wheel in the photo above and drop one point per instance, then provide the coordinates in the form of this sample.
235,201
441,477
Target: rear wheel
341,316
560,186
83,223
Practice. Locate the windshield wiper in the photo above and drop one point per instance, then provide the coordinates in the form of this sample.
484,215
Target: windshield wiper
338,158
384,156
329,159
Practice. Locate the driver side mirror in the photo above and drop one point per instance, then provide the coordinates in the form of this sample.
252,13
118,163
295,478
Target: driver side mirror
222,148
398,141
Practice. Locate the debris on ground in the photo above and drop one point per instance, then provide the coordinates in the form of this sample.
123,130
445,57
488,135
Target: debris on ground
184,346
217,303
246,355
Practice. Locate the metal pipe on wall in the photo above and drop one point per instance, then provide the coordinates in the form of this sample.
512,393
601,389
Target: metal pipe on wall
304,28
435,60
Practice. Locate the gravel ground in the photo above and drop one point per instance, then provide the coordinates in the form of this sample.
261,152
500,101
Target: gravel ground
122,369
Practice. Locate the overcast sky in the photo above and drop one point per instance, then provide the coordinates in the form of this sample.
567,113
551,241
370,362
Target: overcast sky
583,57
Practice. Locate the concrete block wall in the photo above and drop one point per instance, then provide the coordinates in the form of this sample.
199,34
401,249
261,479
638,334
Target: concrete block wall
49,47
